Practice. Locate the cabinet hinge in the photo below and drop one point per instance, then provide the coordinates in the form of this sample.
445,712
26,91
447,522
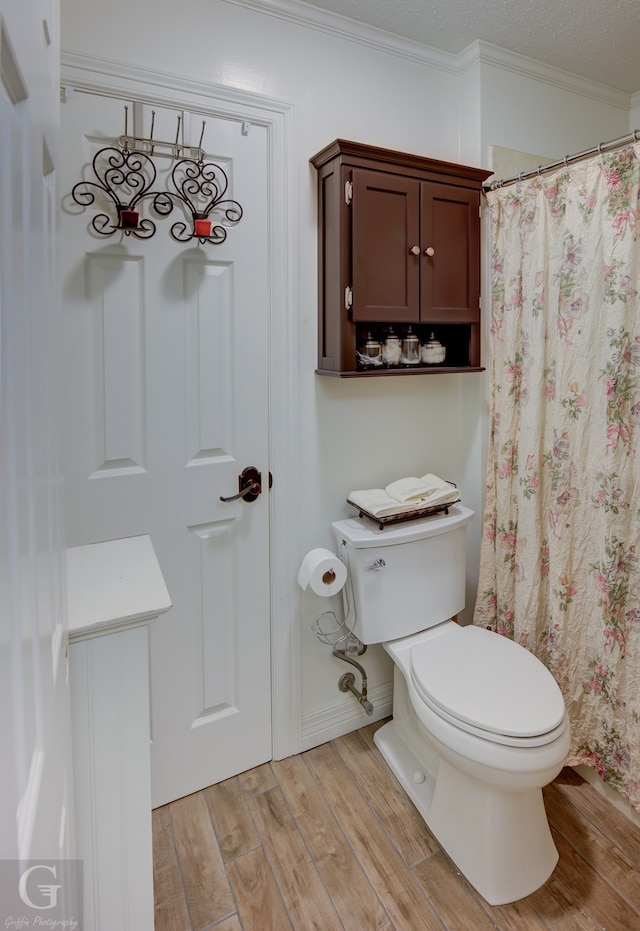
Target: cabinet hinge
348,298
480,210
348,192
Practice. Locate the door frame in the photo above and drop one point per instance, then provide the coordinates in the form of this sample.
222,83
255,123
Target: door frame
115,79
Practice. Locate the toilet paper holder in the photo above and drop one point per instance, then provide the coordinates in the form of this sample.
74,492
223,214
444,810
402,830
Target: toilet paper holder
323,572
338,634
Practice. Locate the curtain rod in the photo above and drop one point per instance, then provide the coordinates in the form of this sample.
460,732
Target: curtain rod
541,169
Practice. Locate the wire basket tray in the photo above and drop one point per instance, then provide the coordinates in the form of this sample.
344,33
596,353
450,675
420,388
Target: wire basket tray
418,514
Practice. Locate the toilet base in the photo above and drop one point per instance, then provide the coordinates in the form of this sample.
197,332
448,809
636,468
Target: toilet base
499,840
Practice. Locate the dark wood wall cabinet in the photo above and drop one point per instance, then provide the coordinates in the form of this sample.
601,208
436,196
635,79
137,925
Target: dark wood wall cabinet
399,254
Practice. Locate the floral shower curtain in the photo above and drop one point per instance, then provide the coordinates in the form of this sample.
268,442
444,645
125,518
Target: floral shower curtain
559,561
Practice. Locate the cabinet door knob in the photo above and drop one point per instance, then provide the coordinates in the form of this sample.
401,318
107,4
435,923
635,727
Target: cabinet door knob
415,250
430,251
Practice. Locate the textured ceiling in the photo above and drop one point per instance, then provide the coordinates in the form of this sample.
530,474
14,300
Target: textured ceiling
594,39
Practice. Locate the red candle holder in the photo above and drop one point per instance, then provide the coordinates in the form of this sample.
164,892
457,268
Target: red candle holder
129,218
203,227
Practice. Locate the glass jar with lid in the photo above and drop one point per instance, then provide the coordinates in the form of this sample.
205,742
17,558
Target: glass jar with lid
410,354
433,352
392,349
371,354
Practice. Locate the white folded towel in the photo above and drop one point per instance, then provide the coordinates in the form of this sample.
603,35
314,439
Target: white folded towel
405,494
417,489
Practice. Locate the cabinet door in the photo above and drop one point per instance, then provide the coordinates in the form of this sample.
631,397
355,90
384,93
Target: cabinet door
385,227
450,279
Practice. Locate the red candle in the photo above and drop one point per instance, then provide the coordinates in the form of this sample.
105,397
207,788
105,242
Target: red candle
129,218
203,227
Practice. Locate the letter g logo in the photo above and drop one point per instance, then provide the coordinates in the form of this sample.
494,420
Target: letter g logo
48,891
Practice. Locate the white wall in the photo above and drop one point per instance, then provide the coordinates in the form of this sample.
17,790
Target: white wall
551,118
35,775
358,432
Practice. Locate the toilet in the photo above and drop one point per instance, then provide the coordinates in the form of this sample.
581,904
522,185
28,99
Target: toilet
479,724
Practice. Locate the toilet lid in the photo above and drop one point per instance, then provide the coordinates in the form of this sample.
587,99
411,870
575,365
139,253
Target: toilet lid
481,679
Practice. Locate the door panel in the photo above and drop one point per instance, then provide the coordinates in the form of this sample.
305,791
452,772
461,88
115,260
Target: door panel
166,403
385,227
450,277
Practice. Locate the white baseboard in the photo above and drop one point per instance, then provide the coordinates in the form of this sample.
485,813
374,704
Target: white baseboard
591,776
345,715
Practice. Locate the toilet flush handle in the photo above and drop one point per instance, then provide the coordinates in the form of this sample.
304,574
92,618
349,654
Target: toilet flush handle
377,565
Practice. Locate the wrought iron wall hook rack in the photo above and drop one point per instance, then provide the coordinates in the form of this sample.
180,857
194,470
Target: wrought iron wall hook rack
125,175
148,144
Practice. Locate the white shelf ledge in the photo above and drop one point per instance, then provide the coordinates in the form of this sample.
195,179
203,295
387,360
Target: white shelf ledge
113,586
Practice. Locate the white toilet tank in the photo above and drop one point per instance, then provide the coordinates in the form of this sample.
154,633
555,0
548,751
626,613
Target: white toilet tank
406,577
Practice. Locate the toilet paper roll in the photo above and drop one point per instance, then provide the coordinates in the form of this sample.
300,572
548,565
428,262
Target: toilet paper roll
323,572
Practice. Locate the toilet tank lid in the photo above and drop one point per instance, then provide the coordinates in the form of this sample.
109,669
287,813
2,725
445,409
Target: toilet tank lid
361,532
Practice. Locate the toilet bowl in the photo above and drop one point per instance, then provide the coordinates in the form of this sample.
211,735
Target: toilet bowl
479,725
479,789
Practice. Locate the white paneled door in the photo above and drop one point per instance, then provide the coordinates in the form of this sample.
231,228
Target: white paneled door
166,402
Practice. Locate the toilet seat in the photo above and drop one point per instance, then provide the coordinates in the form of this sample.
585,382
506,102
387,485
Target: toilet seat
488,686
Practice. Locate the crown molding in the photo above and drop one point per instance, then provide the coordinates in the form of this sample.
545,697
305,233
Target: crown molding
478,52
333,24
485,53
301,14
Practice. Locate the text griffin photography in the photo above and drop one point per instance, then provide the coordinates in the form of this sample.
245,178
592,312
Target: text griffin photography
44,894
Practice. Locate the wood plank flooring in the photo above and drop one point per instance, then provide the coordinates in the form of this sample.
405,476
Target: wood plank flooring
328,840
